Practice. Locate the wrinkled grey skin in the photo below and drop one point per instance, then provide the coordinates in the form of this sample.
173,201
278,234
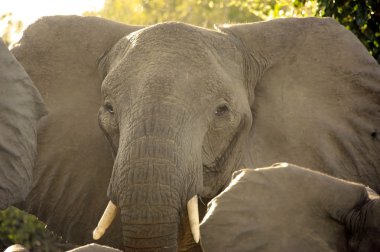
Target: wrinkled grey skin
182,108
321,215
21,107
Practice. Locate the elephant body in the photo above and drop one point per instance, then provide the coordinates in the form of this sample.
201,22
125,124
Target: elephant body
303,212
21,108
149,117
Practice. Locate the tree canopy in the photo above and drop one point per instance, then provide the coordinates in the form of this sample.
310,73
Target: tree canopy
201,12
11,26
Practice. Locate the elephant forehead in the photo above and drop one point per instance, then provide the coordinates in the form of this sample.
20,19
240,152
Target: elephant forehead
172,34
170,54
174,58
184,43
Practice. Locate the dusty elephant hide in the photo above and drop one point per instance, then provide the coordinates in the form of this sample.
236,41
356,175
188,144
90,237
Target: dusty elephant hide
289,208
21,107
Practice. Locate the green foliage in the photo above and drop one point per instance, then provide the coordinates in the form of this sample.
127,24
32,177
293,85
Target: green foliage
269,9
11,27
201,12
197,12
17,227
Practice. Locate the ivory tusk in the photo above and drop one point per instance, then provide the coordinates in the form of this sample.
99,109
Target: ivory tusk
106,220
192,211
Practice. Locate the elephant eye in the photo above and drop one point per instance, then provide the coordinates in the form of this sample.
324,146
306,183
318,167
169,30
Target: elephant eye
221,110
109,108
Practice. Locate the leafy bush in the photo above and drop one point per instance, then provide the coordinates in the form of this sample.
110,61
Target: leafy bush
18,227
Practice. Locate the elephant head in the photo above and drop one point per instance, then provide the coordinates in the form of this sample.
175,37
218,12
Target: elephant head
182,108
174,106
21,108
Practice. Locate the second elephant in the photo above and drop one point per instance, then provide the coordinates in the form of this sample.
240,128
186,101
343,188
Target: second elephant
288,208
21,107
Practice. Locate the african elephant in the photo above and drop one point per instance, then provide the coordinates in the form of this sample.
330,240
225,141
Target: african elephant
21,107
181,109
288,208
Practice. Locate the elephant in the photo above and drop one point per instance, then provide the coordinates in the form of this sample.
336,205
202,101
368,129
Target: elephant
151,122
21,108
300,224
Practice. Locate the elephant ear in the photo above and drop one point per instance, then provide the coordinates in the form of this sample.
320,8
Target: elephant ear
21,107
289,208
315,98
74,163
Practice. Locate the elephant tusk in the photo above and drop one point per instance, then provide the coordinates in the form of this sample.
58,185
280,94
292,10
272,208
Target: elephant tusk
106,220
192,211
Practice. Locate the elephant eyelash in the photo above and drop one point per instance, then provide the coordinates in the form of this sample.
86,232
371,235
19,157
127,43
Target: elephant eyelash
222,110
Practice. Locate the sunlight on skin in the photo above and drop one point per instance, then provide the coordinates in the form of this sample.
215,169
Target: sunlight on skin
210,211
214,203
234,181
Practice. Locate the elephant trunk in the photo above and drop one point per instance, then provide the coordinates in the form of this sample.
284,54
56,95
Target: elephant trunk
148,195
158,231
152,182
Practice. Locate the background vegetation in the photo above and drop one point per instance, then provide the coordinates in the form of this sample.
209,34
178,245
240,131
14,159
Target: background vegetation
11,26
362,17
17,227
